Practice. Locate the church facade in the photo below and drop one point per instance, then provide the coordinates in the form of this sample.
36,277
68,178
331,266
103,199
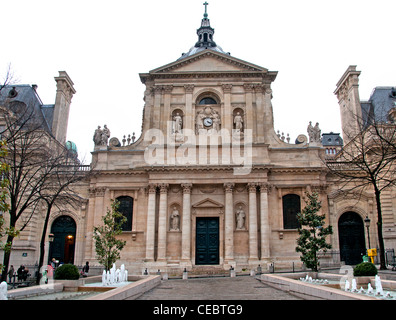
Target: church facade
209,184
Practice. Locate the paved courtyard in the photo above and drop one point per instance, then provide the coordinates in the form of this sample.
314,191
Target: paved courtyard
216,288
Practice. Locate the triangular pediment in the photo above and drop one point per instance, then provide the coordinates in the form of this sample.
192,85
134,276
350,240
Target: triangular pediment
208,61
207,203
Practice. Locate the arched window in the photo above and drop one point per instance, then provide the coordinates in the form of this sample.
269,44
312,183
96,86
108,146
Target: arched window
207,100
291,206
126,208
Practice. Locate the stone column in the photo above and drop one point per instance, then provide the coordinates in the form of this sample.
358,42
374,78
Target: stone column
249,108
189,114
165,112
163,206
96,205
157,106
186,222
227,114
253,247
264,221
229,223
260,120
150,229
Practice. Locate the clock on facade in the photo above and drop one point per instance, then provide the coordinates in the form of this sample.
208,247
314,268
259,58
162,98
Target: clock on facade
207,122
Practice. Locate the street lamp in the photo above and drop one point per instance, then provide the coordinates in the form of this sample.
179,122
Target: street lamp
367,224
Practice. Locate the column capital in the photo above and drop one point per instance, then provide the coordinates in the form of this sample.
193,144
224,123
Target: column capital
152,188
264,187
157,89
228,186
227,88
189,88
252,186
186,187
248,87
168,88
163,187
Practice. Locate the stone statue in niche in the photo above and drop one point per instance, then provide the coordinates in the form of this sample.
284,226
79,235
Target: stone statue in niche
216,121
240,218
238,121
177,123
175,220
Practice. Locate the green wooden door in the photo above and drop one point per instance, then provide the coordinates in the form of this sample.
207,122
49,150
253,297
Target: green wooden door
207,241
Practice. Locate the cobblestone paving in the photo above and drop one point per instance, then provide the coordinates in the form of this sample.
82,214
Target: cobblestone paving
216,288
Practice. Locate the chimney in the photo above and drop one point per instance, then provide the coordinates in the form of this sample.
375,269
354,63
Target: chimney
64,95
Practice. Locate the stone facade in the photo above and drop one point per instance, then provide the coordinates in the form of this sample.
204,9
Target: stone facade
237,172
209,172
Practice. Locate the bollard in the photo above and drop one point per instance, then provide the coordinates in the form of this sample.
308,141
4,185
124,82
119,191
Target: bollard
259,270
165,276
185,274
232,272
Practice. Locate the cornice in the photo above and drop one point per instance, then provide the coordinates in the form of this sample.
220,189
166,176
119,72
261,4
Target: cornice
207,74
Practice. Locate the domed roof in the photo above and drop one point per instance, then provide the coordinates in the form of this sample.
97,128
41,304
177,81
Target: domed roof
205,38
71,146
194,50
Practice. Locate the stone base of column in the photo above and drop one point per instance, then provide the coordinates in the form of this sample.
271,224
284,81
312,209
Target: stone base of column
228,263
186,264
254,262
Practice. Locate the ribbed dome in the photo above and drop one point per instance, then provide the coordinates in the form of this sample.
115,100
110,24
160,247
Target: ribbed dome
205,38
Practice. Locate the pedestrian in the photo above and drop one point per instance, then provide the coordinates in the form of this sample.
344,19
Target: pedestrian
20,272
85,270
11,273
53,263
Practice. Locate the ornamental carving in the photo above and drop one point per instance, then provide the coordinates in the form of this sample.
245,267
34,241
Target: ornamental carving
252,187
228,187
207,121
163,187
186,187
189,88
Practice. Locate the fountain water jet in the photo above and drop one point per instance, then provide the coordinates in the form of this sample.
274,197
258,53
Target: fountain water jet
114,276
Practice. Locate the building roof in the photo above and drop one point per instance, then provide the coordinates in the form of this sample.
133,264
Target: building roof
331,139
377,108
27,95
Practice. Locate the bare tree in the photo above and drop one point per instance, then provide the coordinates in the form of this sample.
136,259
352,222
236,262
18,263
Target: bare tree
64,172
367,162
34,156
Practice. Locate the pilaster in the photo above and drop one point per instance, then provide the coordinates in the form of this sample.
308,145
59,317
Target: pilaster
186,222
253,245
150,229
162,219
229,222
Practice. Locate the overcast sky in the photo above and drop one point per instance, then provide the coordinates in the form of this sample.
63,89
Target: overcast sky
104,45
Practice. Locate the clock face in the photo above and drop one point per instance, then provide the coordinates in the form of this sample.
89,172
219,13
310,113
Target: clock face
207,122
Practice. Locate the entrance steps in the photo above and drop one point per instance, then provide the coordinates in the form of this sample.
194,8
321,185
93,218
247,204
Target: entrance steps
208,271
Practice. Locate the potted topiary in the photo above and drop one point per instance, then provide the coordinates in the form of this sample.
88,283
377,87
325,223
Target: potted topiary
365,269
69,275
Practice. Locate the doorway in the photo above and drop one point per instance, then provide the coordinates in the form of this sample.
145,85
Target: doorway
351,237
63,245
207,241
